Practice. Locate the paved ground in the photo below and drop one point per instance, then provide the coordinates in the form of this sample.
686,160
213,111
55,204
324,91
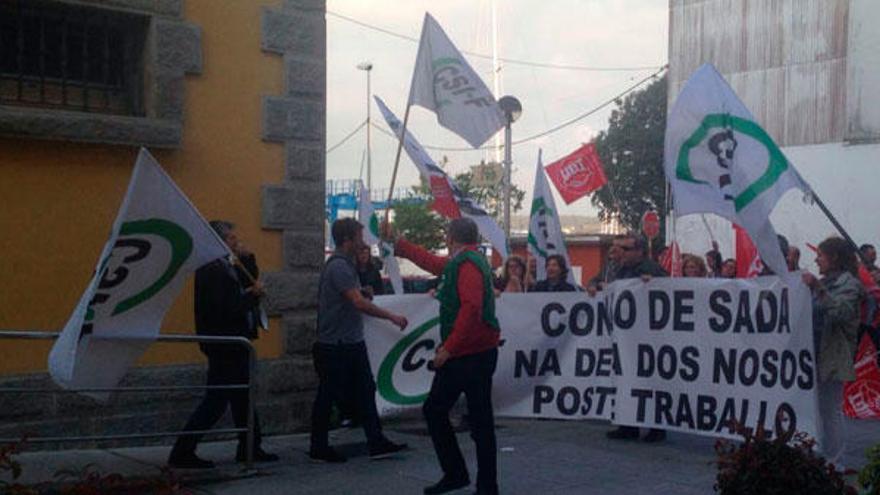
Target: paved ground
536,457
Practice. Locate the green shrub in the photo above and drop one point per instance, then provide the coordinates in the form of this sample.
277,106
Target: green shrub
869,477
784,465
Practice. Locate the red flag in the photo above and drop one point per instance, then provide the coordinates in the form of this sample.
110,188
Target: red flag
748,263
862,396
444,199
670,260
577,174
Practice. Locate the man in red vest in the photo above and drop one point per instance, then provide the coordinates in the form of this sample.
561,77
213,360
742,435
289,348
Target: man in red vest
465,360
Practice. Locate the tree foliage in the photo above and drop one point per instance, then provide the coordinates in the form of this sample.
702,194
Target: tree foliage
631,150
419,224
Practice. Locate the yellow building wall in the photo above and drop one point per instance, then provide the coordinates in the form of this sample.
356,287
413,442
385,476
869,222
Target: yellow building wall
59,199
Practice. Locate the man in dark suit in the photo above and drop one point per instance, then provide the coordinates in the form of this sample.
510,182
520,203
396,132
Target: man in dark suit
227,303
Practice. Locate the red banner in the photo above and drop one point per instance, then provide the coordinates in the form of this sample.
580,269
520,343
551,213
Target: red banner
577,174
862,396
748,263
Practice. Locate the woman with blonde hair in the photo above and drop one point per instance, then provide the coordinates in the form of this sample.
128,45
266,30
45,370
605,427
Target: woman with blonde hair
693,266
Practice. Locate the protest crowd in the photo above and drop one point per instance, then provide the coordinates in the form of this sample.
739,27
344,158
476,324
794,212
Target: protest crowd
658,341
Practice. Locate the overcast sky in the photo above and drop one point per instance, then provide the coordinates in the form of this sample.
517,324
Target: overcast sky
594,33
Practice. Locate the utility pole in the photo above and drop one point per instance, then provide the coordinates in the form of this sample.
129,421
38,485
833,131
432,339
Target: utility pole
512,109
368,67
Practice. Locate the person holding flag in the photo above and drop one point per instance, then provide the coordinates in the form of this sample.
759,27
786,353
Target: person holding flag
227,303
465,360
837,297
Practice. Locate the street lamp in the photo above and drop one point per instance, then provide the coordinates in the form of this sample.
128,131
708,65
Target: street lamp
368,66
512,109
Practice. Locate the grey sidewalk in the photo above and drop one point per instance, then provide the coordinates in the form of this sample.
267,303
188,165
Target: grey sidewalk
545,457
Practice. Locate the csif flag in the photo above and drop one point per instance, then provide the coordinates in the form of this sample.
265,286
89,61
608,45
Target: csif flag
545,228
577,174
370,221
719,160
449,200
445,83
157,240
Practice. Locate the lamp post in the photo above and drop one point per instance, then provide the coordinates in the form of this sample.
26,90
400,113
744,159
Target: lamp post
368,67
512,110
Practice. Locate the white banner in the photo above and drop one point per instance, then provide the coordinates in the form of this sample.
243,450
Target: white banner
677,354
157,240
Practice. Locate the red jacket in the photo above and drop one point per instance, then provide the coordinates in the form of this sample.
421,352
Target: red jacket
470,334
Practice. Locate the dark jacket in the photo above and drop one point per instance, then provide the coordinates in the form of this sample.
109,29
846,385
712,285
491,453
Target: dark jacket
371,277
547,286
222,307
644,267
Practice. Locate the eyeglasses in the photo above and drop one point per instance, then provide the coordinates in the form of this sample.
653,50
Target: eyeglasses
628,248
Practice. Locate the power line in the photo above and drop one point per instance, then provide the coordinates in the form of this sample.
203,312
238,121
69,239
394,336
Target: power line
347,137
548,131
511,61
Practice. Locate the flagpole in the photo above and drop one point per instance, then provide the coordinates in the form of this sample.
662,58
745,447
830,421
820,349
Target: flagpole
397,162
836,224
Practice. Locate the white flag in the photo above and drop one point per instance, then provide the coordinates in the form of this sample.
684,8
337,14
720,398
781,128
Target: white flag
719,160
449,200
157,240
368,219
444,83
545,228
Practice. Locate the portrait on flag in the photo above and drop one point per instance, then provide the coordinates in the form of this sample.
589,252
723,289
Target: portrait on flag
719,160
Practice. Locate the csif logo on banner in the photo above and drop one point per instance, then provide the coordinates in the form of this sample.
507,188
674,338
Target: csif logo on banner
411,355
146,265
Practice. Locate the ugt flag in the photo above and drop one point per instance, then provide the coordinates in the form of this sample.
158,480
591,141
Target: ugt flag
577,174
157,240
545,228
719,160
444,83
368,219
449,200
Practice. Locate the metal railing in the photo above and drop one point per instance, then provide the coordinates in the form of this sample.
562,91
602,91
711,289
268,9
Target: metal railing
172,338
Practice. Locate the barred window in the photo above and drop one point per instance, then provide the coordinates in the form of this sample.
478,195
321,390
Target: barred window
62,56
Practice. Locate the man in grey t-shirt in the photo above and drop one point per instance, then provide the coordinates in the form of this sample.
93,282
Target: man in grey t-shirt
340,354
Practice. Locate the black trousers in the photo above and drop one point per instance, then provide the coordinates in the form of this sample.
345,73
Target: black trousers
344,376
472,376
228,368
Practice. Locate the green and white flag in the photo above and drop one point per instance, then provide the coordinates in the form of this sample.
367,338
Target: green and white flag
157,240
545,228
719,160
370,221
445,83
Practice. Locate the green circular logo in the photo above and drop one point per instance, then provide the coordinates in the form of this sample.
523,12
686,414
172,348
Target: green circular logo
385,380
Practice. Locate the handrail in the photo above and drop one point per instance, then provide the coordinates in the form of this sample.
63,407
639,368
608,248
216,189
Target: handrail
173,338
